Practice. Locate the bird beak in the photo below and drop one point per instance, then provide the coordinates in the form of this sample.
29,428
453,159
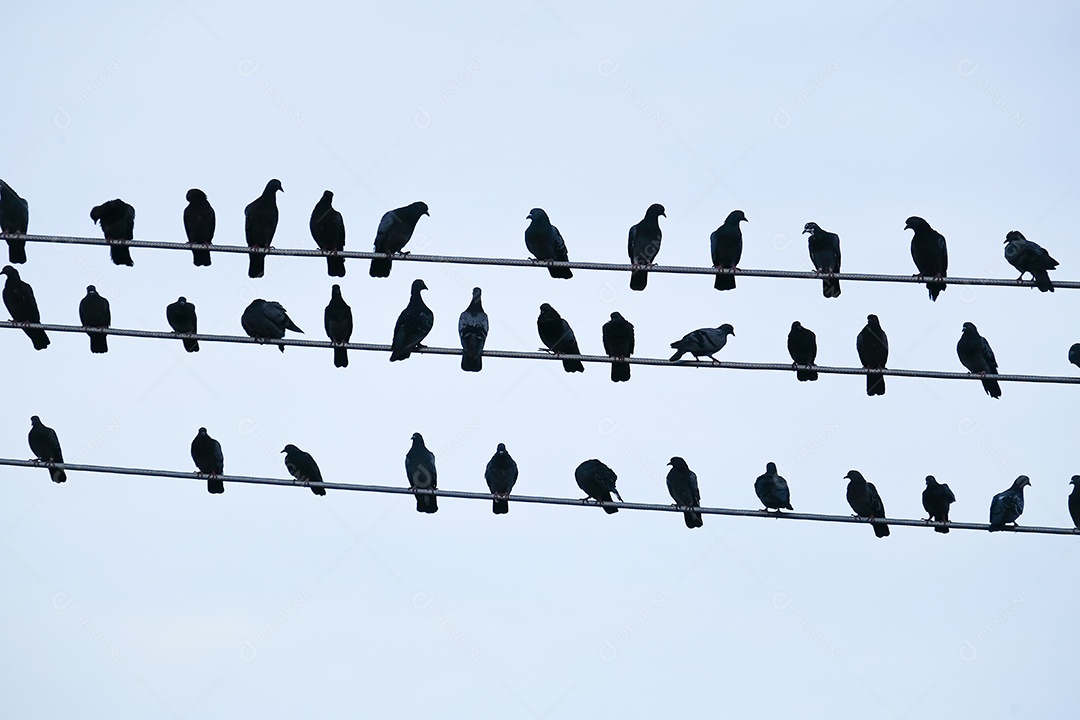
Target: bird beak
907,226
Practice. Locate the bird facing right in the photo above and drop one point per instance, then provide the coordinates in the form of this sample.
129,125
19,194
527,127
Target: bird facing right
703,342
1074,501
413,324
260,224
726,244
644,244
1007,506
14,220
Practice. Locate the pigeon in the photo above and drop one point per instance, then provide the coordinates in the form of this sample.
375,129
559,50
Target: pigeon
546,243
1074,501
772,490
802,346
704,342
618,336
420,469
872,344
328,230
20,302
683,486
936,499
929,253
644,244
1007,506
337,319
977,357
726,244
302,467
14,219
206,452
267,320
863,498
260,223
501,474
182,319
1029,257
413,325
558,337
395,230
598,482
46,447
1074,354
94,313
117,220
199,224
825,254
472,329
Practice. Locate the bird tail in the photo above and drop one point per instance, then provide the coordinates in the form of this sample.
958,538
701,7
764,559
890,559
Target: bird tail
805,375
639,279
1042,280
881,530
875,384
335,266
201,258
427,503
120,254
256,265
58,475
942,528
830,288
380,267
38,337
620,371
99,343
935,289
610,510
678,353
399,354
724,282
470,363
214,486
319,490
341,357
191,345
500,506
693,519
16,251
572,366
563,273
992,388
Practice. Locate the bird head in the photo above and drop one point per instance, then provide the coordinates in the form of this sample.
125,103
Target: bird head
35,420
1014,235
91,290
1075,478
417,437
678,463
273,186
736,217
810,227
537,214
770,468
202,431
327,195
192,195
418,285
10,272
655,210
931,480
289,449
501,448
726,328
915,223
855,475
970,327
1021,482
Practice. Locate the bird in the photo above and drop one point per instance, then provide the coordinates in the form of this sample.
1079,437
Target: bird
328,230
558,337
1029,257
20,302
117,220
260,223
863,498
302,467
930,254
772,490
1074,501
1007,506
267,320
472,330
872,344
1074,354
726,244
825,254
682,485
501,473
598,482
395,230
338,322
199,224
975,354
703,342
420,469
546,243
46,447
206,452
94,313
644,244
618,335
802,346
413,324
936,499
14,219
182,319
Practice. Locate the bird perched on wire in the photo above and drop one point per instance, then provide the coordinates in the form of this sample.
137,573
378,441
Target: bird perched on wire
260,224
1007,506
772,490
682,485
20,302
267,320
1029,257
473,331
94,313
618,336
703,342
303,467
207,455
975,354
1074,501
199,224
598,482
825,254
338,323
644,244
501,474
182,319
872,344
863,498
14,219
930,254
802,346
395,231
328,230
1074,354
558,337
936,499
546,243
420,470
46,447
413,324
726,245
117,221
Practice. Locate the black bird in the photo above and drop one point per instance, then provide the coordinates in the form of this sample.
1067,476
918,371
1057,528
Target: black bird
598,482
546,243
267,320
182,319
338,322
704,342
472,330
420,469
558,337
413,324
206,452
618,336
1007,506
802,346
395,230
772,490
46,447
20,302
1029,257
929,252
682,485
975,353
644,244
1074,501
501,474
726,245
863,498
117,220
936,499
1074,354
328,230
14,219
94,313
825,254
199,224
302,467
260,223
872,344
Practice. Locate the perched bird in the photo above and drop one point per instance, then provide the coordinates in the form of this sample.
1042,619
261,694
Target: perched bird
825,254
929,252
772,490
936,499
14,219
618,336
302,467
20,302
863,498
872,344
199,224
46,447
546,243
501,474
328,230
94,313
644,244
598,482
558,337
337,320
413,324
117,220
472,329
975,353
182,319
206,452
1074,354
682,485
420,469
726,244
260,223
704,342
1029,257
802,346
1074,501
267,320
1007,506
395,230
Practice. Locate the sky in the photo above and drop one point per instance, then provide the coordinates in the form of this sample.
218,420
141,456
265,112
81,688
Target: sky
150,598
